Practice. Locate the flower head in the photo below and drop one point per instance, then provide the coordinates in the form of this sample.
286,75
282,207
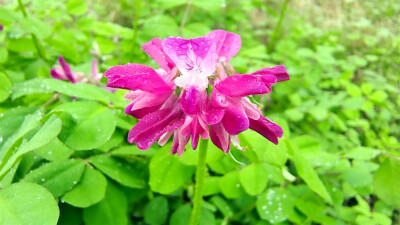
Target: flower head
1,27
64,72
173,100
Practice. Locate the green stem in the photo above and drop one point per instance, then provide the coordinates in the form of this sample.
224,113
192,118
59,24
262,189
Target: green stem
138,5
278,26
38,46
185,15
200,174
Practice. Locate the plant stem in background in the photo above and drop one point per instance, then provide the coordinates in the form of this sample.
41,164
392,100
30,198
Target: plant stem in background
185,15
200,174
38,46
138,5
278,27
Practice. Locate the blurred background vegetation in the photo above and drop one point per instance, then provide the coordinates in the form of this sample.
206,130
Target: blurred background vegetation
339,162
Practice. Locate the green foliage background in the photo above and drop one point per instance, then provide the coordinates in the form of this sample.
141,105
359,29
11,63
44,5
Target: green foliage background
66,159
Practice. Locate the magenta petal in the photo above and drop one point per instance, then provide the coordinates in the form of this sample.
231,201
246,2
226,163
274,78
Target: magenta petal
244,85
251,109
227,44
220,137
67,69
153,125
235,119
218,99
195,127
192,54
135,76
95,71
58,73
213,115
140,113
155,50
179,143
266,128
150,99
278,71
193,101
199,128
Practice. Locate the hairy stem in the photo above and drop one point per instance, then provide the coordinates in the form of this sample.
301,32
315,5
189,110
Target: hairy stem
200,174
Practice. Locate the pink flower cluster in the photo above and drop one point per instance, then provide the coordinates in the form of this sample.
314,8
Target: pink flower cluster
64,72
195,93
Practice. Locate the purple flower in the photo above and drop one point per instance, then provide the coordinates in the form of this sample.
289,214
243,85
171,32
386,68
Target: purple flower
1,27
173,100
64,72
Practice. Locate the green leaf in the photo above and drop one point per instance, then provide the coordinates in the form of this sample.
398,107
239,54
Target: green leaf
358,175
190,156
308,145
381,219
275,205
265,150
305,170
55,150
90,190
132,151
167,173
362,153
230,186
50,85
210,6
3,55
27,203
386,182
294,114
362,206
378,96
9,176
5,86
211,185
156,211
119,170
15,123
161,26
319,113
111,210
353,90
9,15
21,45
77,7
222,206
35,26
70,215
194,30
181,216
44,135
170,3
94,124
106,46
254,178
207,217
58,177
